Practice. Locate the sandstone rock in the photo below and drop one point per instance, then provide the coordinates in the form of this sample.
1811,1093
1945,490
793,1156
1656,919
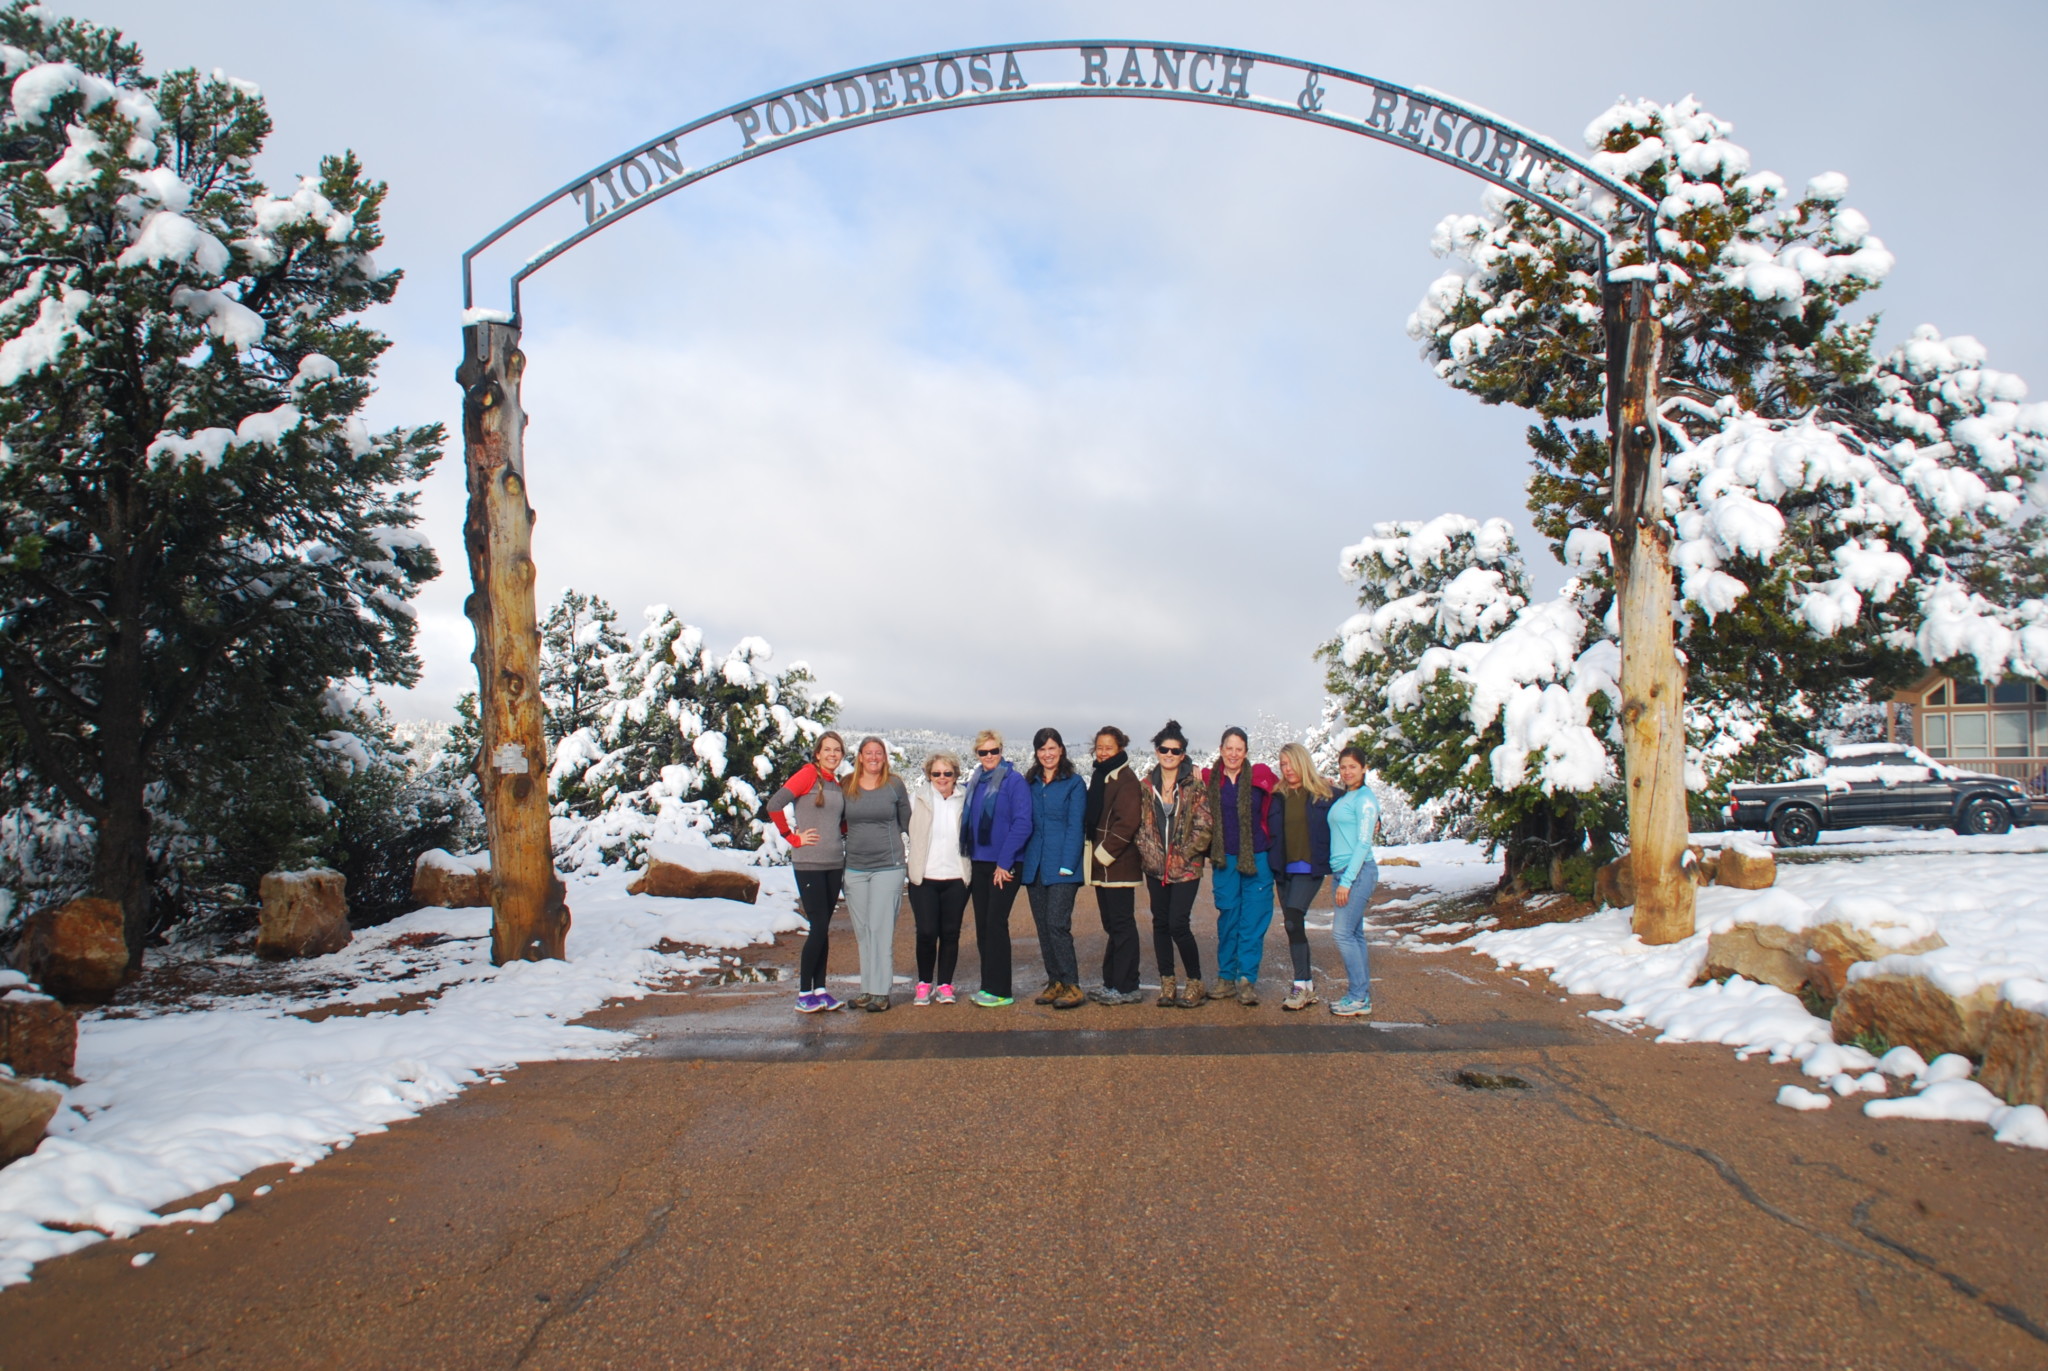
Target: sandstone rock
305,914
1615,884
24,1113
1397,861
1746,869
1914,1012
1762,952
77,951
2016,1055
1835,947
442,878
668,878
38,1036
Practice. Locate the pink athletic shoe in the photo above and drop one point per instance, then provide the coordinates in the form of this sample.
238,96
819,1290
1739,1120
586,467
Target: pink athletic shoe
945,994
924,993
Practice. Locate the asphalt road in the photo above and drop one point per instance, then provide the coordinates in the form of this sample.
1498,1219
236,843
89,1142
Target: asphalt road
1102,1187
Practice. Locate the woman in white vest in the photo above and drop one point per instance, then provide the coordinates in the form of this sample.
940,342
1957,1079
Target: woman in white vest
938,877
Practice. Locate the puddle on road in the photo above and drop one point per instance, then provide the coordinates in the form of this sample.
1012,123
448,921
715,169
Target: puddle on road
1473,1079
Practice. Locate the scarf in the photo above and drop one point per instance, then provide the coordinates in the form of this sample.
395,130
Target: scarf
985,822
1098,781
1297,825
1247,860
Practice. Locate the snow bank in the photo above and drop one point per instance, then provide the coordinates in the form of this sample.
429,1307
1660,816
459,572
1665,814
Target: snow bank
1986,899
177,1103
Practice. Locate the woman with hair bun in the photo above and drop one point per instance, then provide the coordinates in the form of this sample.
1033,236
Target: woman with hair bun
1174,843
818,834
1051,865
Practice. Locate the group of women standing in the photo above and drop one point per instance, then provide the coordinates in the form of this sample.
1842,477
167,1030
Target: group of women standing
974,836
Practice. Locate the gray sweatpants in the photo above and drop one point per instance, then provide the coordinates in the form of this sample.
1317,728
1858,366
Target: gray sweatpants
871,900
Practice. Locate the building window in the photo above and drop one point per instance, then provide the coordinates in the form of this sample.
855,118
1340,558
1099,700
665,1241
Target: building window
1971,734
2010,693
1934,728
2041,733
1969,692
1939,695
2009,732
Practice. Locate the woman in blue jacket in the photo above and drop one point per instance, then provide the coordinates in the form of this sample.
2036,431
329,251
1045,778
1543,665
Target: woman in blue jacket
995,823
1051,865
1353,820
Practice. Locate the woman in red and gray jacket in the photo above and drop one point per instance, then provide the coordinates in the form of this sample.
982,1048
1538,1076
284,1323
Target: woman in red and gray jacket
810,813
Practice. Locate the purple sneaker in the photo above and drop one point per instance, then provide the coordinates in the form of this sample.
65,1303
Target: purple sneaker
807,1002
824,999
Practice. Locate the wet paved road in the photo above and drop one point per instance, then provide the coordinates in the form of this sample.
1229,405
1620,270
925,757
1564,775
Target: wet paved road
1113,1187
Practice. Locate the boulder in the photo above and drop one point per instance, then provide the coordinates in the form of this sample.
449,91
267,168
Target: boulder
442,878
38,1036
1833,948
1396,861
2016,1055
1615,884
680,882
305,914
1914,1012
76,951
1746,868
1701,864
1762,952
25,1112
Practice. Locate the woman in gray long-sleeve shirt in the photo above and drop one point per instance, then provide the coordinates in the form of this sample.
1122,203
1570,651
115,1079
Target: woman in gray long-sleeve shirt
813,798
877,818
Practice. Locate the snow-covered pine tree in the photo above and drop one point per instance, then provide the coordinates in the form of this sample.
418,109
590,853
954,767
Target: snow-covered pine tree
197,532
1482,708
578,638
1842,521
686,727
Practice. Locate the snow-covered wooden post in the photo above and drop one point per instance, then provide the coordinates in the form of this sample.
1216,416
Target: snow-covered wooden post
1652,681
529,915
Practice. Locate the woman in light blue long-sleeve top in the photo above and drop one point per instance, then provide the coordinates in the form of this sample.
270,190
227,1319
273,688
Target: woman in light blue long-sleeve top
1353,820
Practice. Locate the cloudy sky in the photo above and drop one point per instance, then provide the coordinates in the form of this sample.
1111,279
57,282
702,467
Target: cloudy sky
1052,413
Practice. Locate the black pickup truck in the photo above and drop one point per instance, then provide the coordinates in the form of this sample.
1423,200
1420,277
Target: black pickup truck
1879,784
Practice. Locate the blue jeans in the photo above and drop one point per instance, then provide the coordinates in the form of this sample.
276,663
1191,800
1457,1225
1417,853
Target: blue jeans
1349,928
1244,910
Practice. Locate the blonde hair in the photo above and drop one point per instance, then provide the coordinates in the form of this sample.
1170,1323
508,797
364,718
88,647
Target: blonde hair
1314,782
987,735
852,785
948,758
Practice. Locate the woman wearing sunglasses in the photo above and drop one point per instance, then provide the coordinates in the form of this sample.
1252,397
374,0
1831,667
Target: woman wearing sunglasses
995,823
1051,865
810,811
938,877
1174,842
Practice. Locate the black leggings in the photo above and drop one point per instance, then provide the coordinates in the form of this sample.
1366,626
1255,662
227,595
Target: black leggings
1173,908
1297,895
1118,906
817,892
937,907
992,926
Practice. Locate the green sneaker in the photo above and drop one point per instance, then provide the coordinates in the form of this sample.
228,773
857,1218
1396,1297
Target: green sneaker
988,1001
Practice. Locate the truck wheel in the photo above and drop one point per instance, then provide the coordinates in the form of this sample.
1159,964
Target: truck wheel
1984,816
1796,826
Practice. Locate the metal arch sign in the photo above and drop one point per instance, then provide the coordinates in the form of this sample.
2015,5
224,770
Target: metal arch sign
1449,131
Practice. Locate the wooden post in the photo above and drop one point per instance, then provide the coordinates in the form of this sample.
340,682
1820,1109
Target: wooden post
1652,681
529,915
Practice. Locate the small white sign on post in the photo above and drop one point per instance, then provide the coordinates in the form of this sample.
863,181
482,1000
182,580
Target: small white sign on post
510,758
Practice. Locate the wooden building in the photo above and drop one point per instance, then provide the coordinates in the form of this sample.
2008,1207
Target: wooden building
2002,729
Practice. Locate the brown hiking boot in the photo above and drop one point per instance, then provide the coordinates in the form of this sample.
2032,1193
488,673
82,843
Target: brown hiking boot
1070,998
1192,995
1050,993
1167,998
1247,993
1304,995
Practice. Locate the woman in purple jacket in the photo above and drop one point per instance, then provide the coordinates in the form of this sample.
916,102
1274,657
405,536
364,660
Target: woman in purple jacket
995,823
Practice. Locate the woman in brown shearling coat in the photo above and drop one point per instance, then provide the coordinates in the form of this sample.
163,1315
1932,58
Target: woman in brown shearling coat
1111,862
1174,840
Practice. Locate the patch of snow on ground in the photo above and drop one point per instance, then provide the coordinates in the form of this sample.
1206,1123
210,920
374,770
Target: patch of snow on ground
1987,898
186,1099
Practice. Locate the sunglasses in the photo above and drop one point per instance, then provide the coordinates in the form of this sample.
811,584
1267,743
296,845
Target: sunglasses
944,775
1172,751
988,752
